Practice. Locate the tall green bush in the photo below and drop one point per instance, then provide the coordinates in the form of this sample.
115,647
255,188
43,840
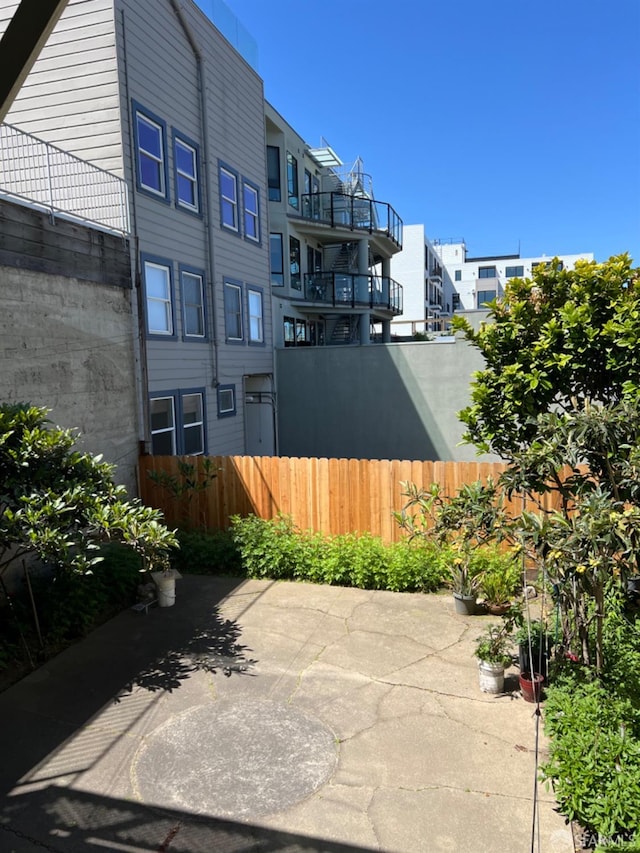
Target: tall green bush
277,549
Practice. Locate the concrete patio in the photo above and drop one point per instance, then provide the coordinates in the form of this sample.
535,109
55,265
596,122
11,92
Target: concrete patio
269,716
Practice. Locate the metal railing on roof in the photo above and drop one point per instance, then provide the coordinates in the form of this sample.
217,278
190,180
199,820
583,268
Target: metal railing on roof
356,212
36,173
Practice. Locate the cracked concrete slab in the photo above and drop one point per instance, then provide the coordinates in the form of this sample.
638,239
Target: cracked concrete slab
272,716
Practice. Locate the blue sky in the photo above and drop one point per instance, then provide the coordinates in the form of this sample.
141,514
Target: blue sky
508,123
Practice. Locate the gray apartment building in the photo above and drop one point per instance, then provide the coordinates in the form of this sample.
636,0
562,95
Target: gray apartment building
331,245
150,91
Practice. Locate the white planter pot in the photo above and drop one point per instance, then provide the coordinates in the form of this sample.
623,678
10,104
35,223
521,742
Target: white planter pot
491,677
166,586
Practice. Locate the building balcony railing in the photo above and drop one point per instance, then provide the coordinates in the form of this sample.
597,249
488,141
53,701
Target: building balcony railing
36,173
354,212
338,289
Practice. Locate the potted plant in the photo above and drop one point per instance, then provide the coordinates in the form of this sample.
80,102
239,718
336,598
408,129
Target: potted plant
464,581
492,651
165,581
499,580
533,647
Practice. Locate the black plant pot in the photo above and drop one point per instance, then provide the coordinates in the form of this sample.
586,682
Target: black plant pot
633,590
537,661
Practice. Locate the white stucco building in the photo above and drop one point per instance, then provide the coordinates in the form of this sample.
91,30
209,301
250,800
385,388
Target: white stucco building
439,277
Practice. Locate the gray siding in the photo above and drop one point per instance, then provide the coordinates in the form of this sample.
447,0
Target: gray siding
71,98
103,55
162,75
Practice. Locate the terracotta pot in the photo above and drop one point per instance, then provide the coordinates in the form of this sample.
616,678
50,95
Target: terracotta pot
537,660
531,686
497,609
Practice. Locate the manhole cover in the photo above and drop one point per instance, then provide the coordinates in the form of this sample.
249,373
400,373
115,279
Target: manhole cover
235,759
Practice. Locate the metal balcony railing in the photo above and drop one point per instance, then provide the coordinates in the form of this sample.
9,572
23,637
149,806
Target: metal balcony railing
353,290
39,174
353,211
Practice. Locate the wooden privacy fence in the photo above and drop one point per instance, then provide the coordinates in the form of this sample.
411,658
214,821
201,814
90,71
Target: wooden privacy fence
326,495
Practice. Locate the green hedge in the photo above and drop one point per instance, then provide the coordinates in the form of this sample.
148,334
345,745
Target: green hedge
277,549
594,757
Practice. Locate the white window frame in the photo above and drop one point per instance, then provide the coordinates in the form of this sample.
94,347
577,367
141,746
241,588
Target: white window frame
166,301
172,428
255,318
184,273
197,424
231,201
251,217
230,410
143,152
191,177
236,288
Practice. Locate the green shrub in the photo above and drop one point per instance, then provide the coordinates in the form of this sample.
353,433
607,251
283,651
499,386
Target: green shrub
210,553
500,574
277,549
594,756
70,605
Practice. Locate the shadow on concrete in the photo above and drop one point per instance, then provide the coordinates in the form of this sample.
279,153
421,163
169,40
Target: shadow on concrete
131,658
68,821
212,648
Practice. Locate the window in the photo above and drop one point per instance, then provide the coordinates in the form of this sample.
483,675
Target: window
514,272
150,141
192,289
301,332
255,315
192,424
485,296
486,272
458,275
292,180
289,332
185,408
251,201
316,332
455,301
233,311
226,401
186,165
273,172
163,426
294,263
159,296
277,260
229,199
559,265
314,260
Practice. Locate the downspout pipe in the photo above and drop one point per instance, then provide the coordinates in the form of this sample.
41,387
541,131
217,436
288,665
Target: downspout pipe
207,194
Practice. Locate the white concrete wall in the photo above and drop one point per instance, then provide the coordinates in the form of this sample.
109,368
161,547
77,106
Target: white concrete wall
408,269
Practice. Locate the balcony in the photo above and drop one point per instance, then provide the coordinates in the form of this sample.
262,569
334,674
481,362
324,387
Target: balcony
353,290
353,213
37,174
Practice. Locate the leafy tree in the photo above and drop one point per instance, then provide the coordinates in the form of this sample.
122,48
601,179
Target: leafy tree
553,342
58,504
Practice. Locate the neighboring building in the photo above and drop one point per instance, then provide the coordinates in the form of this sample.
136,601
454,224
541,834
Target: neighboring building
469,283
331,245
419,269
151,91
440,278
